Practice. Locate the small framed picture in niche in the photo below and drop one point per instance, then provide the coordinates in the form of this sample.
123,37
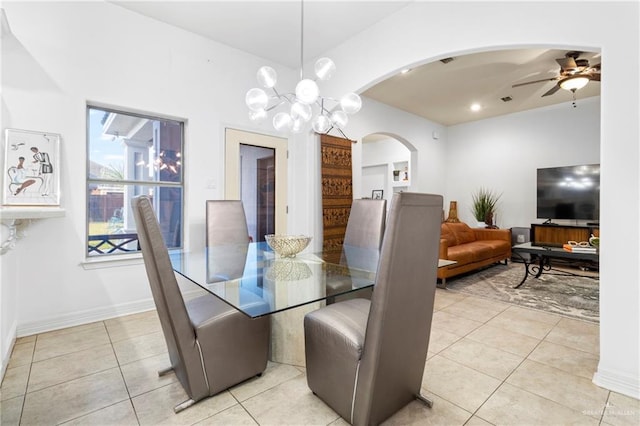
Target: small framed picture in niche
376,194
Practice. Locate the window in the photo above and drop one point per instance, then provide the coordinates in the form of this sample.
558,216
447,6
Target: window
129,155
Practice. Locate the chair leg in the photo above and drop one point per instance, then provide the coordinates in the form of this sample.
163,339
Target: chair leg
165,371
426,401
443,283
183,405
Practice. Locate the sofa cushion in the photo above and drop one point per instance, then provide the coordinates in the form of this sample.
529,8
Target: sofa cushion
447,234
493,247
462,254
463,233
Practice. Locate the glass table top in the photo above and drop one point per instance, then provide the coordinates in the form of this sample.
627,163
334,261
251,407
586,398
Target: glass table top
256,281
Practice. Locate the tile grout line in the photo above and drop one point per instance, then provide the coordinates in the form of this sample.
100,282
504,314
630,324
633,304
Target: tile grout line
24,399
124,381
504,381
474,413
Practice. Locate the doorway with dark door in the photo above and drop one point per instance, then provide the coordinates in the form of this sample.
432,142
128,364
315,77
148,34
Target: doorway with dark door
257,189
256,173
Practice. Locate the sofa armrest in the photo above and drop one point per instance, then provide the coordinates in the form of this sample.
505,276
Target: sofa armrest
493,234
444,248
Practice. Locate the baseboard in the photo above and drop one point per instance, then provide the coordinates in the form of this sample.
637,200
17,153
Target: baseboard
620,383
9,344
93,315
84,317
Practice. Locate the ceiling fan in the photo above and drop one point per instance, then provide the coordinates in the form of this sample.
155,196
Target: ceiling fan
575,73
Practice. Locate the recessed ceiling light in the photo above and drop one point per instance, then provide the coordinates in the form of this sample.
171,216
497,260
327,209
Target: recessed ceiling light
475,107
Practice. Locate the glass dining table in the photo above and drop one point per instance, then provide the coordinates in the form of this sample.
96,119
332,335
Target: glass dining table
256,281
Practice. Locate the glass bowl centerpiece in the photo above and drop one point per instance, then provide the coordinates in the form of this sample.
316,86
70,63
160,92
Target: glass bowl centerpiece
287,245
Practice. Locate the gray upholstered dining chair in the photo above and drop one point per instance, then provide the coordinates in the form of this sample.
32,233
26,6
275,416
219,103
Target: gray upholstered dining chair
226,223
365,359
227,239
212,346
365,226
362,241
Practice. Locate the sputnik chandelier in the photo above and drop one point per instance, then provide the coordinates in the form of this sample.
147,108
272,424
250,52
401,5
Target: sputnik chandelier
296,109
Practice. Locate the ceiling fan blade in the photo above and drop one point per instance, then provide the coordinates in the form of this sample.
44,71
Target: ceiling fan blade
553,90
536,81
596,67
594,77
567,63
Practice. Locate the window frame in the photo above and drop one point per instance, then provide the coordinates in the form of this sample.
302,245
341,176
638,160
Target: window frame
142,184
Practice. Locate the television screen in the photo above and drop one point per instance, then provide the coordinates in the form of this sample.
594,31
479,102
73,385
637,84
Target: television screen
571,192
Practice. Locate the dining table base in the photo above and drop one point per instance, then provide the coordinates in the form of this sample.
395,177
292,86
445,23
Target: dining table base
287,334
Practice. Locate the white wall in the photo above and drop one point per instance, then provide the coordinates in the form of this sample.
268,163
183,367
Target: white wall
503,153
100,52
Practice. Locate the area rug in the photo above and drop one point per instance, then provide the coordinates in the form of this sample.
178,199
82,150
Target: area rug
572,296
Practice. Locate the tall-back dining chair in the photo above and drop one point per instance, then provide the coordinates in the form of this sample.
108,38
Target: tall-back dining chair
212,346
226,223
362,241
366,223
365,359
227,239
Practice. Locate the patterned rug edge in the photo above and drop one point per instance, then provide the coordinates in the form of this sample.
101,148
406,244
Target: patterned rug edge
574,297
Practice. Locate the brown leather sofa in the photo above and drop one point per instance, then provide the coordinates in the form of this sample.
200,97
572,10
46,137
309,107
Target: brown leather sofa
471,248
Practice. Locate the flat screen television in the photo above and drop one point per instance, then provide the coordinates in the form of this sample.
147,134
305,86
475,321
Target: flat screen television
570,192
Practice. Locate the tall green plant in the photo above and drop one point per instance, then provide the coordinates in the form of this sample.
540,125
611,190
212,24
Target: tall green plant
484,201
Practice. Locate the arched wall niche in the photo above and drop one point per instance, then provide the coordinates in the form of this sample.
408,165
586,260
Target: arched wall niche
378,156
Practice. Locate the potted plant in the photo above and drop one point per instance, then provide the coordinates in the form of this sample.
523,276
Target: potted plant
484,206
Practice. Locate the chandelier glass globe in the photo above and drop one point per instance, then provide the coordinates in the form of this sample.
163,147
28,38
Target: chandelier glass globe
256,99
267,77
339,119
321,124
324,68
301,111
282,122
351,103
257,116
307,91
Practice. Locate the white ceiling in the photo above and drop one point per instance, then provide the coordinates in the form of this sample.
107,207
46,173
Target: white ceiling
439,92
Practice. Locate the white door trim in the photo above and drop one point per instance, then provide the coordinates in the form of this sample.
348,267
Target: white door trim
233,139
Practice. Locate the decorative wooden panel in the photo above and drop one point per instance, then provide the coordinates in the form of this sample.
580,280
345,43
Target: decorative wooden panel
337,189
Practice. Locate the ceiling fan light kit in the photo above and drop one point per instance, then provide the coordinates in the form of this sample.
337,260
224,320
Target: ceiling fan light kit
574,83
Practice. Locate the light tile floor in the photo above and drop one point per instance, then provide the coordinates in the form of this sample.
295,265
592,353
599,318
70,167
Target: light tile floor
488,363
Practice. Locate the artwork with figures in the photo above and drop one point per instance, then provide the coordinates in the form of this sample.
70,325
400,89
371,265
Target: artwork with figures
32,168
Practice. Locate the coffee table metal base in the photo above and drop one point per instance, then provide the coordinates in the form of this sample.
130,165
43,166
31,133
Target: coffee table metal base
540,261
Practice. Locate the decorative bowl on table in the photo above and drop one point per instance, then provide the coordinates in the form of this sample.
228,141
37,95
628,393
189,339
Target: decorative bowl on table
287,245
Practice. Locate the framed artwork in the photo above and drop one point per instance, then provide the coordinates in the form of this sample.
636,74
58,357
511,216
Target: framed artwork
376,194
31,168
